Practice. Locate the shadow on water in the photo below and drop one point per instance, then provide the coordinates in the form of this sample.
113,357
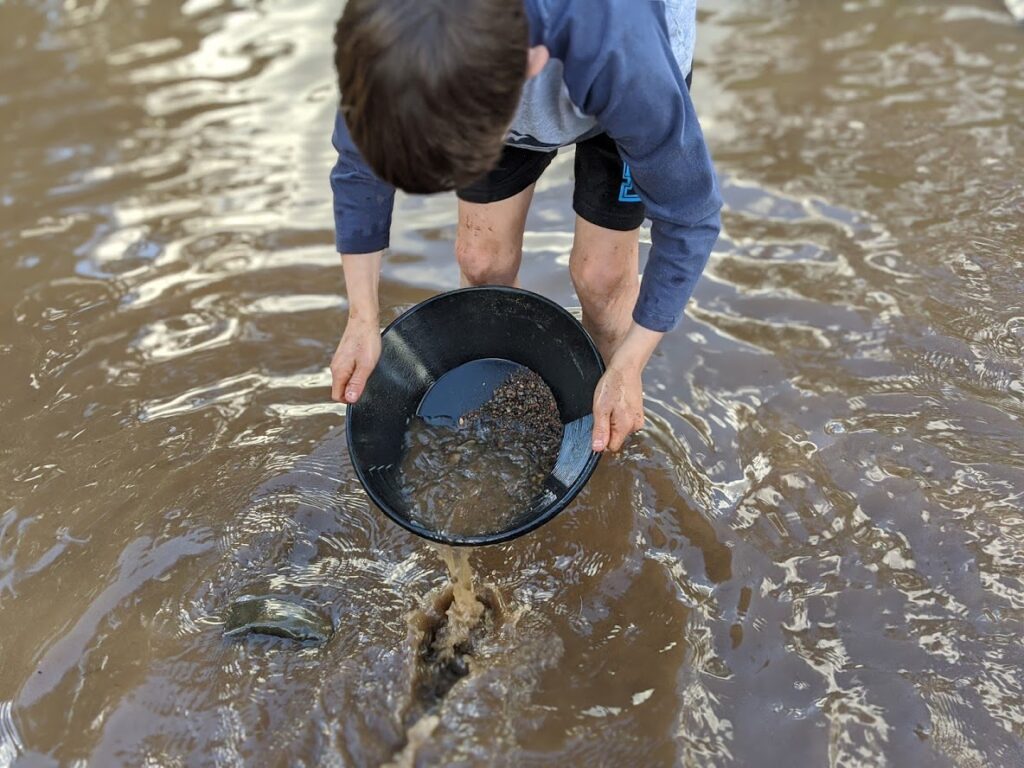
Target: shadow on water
812,555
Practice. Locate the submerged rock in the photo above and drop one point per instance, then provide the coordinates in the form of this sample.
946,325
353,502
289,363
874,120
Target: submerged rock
278,618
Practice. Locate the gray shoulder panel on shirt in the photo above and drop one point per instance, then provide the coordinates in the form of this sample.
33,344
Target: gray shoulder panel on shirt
548,119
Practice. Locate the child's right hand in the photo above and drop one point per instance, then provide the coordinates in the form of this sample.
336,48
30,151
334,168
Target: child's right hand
354,360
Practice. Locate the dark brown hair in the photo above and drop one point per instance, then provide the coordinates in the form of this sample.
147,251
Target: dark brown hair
430,87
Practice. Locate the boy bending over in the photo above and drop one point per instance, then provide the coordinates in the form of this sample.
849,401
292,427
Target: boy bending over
478,96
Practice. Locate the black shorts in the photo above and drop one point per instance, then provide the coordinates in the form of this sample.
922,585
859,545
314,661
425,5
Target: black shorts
604,192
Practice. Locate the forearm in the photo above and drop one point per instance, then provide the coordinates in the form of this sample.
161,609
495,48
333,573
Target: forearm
636,349
619,397
362,282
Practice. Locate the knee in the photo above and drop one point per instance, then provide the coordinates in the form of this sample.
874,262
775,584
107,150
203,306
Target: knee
485,265
601,279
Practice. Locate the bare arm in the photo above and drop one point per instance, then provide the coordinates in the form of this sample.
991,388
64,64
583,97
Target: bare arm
359,350
619,399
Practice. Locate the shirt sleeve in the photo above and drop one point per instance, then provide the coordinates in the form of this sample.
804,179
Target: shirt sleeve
363,204
620,68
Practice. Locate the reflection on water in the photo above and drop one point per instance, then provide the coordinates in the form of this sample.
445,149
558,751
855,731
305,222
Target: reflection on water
813,554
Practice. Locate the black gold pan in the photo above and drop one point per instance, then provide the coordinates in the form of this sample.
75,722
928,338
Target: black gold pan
444,358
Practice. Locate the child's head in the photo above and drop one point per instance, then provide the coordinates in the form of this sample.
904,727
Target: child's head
430,87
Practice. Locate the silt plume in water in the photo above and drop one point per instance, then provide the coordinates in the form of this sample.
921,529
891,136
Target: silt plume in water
444,635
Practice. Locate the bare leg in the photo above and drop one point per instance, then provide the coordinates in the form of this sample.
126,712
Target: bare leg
489,242
604,266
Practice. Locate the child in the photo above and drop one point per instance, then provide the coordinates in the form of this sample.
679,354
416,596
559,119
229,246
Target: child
478,96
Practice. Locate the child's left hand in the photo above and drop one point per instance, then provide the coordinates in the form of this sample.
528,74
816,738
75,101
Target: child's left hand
618,407
619,397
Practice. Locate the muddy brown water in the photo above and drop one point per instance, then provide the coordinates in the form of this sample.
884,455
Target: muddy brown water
812,556
479,475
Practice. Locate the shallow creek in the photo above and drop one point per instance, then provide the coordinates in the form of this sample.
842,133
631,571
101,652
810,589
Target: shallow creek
812,555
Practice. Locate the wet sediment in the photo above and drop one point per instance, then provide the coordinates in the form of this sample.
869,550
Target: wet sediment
522,413
479,476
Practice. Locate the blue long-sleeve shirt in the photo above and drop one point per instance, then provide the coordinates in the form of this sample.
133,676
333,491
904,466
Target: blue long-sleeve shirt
621,65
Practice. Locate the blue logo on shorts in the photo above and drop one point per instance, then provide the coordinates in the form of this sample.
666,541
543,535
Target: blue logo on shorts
627,192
